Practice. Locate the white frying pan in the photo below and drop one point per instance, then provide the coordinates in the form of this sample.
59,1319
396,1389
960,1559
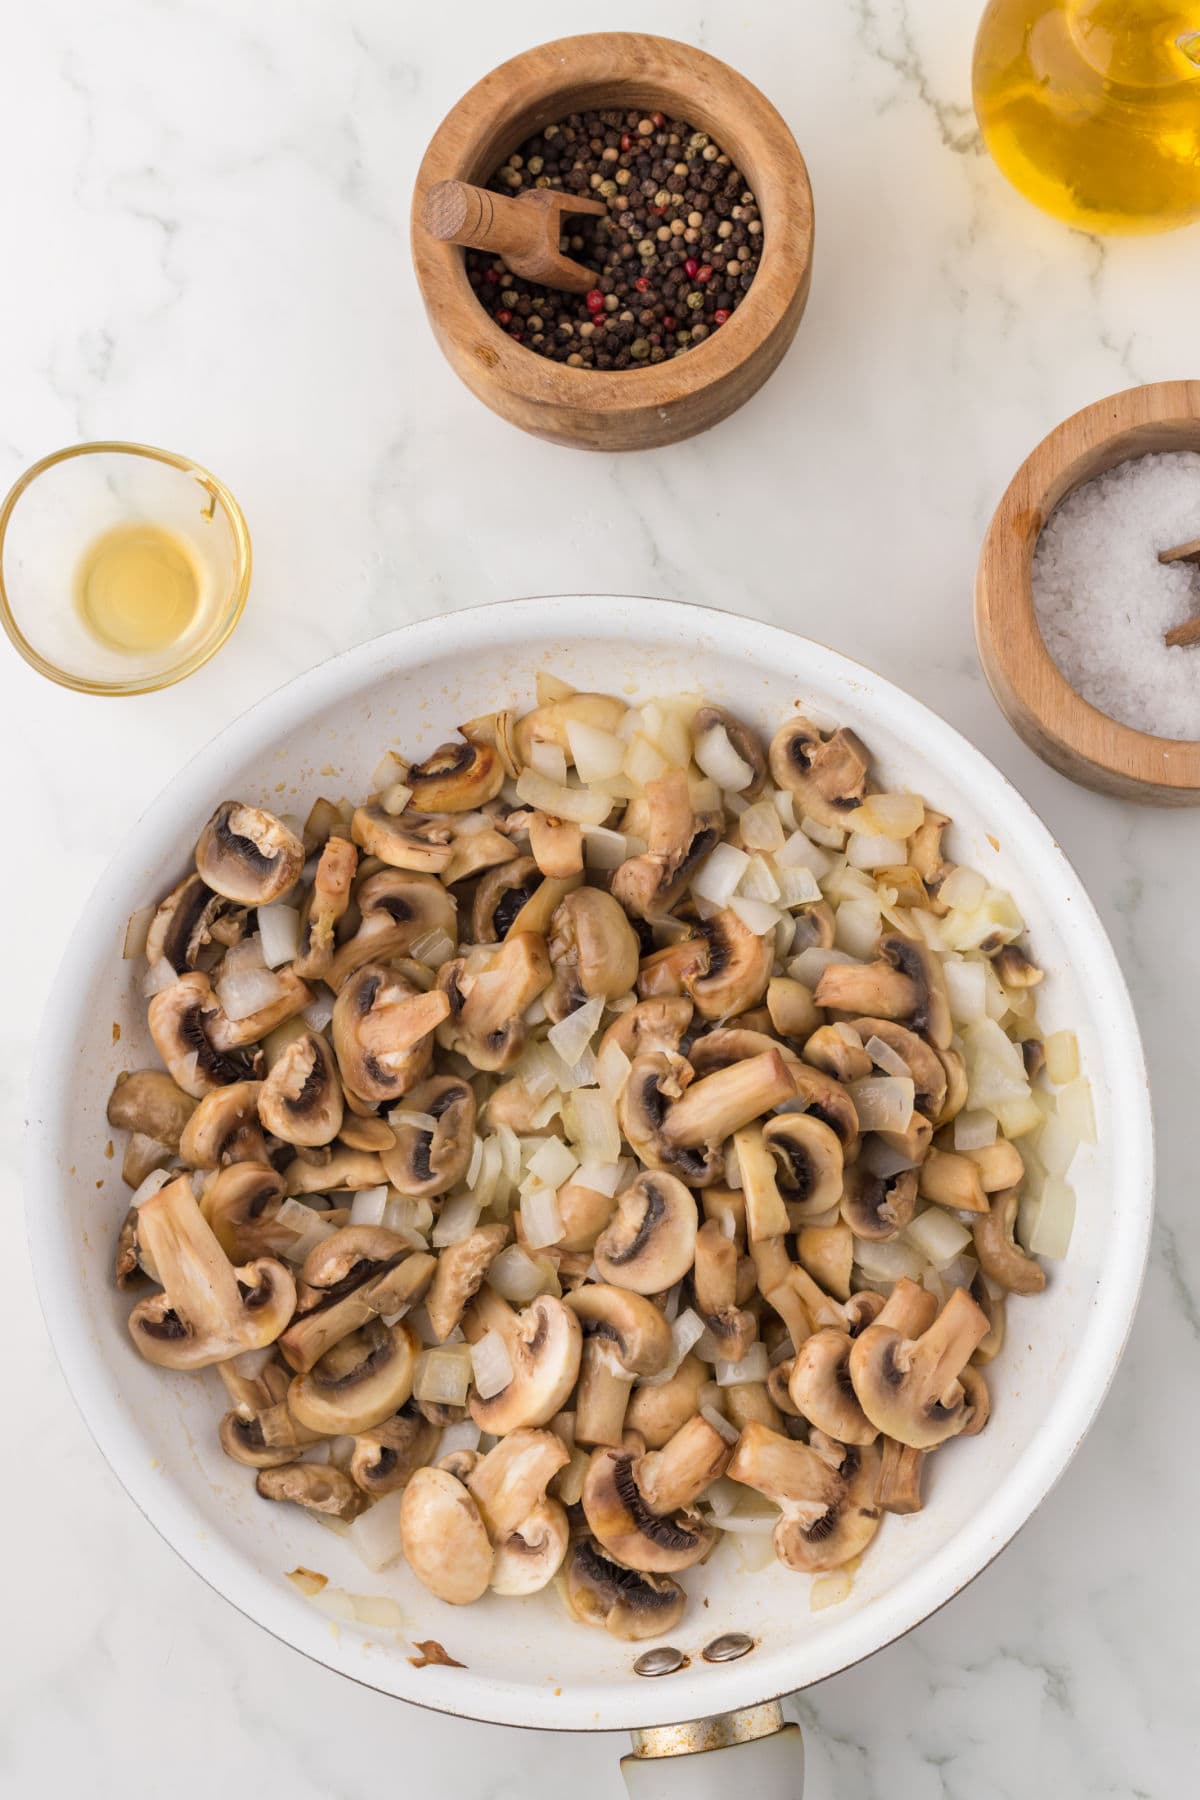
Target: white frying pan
527,1663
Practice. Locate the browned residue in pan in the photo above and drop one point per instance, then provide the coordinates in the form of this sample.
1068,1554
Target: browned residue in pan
433,1655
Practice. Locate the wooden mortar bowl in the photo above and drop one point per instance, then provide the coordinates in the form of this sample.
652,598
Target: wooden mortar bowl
625,409
1034,695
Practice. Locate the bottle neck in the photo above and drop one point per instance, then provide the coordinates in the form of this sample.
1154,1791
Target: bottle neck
1138,43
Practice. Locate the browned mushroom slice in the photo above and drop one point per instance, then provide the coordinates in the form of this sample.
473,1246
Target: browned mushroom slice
209,1310
593,952
714,1281
908,1386
486,1007
809,1164
678,840
444,1538
556,845
361,1273
225,1128
301,1099
324,907
738,967
383,1032
544,1344
625,1336
825,1491
793,1011
925,852
248,855
952,1180
827,776
838,1055
332,1170
651,1241
529,1558
990,1301
650,1025
387,1456
510,1481
656,1412
906,985
182,926
150,1105
396,909
741,739
422,845
456,778
360,1382
461,1268
500,897
877,1207
899,1487
181,1020
1001,1258
637,1507
713,1108
821,1390
312,1485
428,1163
626,1602
241,1203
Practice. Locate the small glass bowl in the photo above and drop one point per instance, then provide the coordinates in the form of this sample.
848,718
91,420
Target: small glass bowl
58,509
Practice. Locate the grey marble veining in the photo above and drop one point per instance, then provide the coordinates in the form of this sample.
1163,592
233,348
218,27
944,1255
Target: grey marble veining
205,237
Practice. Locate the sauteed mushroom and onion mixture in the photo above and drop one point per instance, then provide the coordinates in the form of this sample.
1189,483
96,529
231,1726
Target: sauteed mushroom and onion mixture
615,1137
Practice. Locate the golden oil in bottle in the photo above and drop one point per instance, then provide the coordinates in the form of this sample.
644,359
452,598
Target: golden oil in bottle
1091,108
138,587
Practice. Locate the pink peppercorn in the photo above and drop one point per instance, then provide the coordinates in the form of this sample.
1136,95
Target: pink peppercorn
503,316
691,268
720,316
704,272
642,284
595,300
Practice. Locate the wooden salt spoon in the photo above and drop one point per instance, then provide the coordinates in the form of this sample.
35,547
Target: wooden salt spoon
1189,631
524,231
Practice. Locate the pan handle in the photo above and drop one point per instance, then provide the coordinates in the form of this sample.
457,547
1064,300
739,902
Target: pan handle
696,1761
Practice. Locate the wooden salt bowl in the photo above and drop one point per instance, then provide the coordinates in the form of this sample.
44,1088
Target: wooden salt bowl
625,409
1034,695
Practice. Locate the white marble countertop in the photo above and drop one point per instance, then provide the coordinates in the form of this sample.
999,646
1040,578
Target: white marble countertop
205,237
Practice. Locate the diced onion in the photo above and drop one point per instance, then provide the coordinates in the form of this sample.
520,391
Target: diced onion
760,827
368,1206
158,976
389,770
464,1435
754,1366
874,852
394,799
937,1236
723,1427
797,887
549,760
375,1535
644,761
831,836
812,963
541,1221
887,1059
720,761
1076,1111
319,1012
687,1328
963,889
443,1375
883,1102
1051,1233
597,755
579,805
756,915
1056,1146
974,1131
572,1035
880,1159
856,930
137,930
896,815
279,929
246,986
888,1261
598,1177
718,879
591,1122
612,1069
409,1214
1062,1057
457,1220
432,948
966,990
758,882
602,848
492,1365
516,1277
553,1164
151,1184
829,1590
799,852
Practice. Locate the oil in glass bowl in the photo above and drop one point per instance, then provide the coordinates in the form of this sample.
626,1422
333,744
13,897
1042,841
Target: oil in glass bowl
1091,108
139,587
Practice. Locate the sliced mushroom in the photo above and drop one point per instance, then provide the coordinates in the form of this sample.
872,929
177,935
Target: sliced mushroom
150,1103
878,1207
654,1081
793,1011
659,1024
325,906
181,1018
315,1486
808,1161
1015,969
621,1519
456,778
556,845
234,1034
544,1344
1000,1256
923,1062
625,1336
979,1403
508,1485
714,1281
461,1268
1000,1165
423,845
825,1491
839,1056
651,1242
386,1458
397,907
428,1163
225,1128
383,1032
898,1489
671,971
627,1603
529,1558
678,840
657,1410
248,855
743,740
336,1170
243,1440
549,724
584,1214
827,776
360,1382
821,1390
952,1180
182,926
713,1108
208,1310
906,985
486,1009
909,1387
444,1538
925,851
991,1304
827,1252
301,1099
737,970
501,896
241,1203
593,951
361,1273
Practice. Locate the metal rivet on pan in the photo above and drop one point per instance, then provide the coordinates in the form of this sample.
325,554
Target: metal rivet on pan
728,1647
664,1660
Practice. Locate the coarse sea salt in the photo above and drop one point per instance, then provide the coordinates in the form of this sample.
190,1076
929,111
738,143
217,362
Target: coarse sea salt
1105,602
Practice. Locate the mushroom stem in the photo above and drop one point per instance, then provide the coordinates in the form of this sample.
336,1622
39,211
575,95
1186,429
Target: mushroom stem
909,1309
721,1103
512,1478
679,1473
603,1393
899,1487
944,1349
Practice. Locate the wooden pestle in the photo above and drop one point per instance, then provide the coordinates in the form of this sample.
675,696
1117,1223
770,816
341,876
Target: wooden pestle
524,231
1189,631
